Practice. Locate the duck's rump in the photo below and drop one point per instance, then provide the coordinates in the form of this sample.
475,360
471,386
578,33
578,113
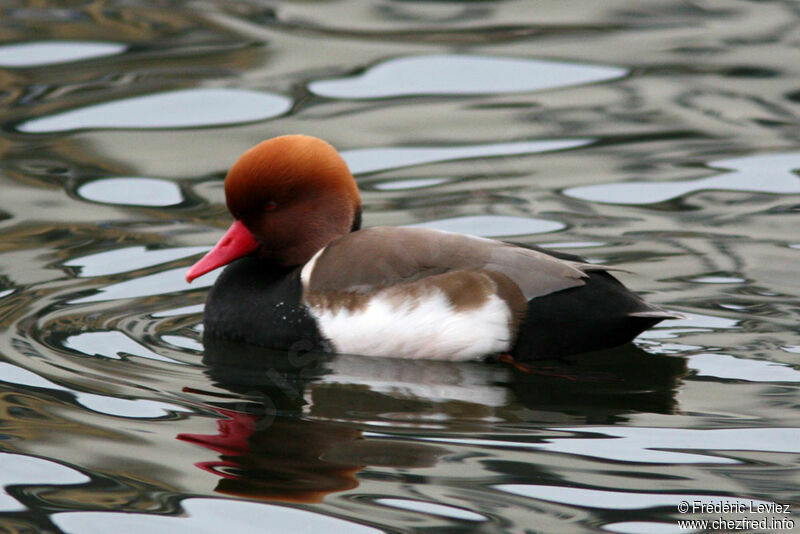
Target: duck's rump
600,314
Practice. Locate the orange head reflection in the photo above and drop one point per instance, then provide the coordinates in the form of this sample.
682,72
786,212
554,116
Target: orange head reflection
296,460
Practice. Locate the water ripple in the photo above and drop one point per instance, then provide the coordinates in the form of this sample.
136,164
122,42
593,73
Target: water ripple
16,469
42,53
112,345
731,368
493,225
184,108
132,191
128,259
655,445
769,173
116,406
431,508
613,500
206,515
368,160
461,75
170,281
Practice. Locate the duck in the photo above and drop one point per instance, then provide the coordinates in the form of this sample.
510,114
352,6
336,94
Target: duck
302,275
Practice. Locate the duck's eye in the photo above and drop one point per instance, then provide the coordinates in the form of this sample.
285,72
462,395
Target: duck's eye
270,205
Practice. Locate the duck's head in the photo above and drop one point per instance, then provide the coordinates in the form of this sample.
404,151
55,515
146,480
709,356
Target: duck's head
290,196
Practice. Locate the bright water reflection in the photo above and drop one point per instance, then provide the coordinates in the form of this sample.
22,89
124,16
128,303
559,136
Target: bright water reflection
775,174
175,109
160,283
461,75
132,192
209,516
114,345
493,225
367,160
129,259
36,54
615,500
119,407
19,469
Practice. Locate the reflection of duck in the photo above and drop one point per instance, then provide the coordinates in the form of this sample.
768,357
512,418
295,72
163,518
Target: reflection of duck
266,450
282,460
294,460
306,271
603,386
340,387
291,429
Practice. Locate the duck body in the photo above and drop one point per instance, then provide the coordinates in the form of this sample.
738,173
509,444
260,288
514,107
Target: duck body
457,314
302,276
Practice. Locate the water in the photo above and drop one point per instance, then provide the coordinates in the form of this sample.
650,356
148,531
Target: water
661,137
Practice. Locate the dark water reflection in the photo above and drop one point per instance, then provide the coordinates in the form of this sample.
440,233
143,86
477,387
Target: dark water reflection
660,137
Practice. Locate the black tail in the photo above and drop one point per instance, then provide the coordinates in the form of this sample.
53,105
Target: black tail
601,314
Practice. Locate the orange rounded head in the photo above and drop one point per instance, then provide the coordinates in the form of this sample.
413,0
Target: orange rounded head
290,196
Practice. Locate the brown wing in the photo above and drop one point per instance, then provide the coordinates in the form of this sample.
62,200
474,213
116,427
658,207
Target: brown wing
384,256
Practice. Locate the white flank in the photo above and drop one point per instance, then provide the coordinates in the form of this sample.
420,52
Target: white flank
428,328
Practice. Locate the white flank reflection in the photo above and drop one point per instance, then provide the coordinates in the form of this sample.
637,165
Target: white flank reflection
434,381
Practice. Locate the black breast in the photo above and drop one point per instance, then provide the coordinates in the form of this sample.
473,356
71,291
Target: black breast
257,302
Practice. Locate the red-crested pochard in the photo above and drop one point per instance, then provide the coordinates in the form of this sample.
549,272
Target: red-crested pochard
302,275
